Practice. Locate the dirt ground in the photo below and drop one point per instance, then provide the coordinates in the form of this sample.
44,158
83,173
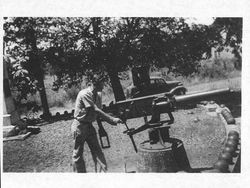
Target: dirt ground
51,149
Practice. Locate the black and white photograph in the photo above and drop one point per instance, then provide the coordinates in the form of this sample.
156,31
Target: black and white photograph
131,95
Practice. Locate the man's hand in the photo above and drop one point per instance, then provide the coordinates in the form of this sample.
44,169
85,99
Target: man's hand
111,120
116,121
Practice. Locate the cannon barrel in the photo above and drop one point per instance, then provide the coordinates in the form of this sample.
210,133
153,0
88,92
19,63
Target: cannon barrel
138,107
201,95
182,98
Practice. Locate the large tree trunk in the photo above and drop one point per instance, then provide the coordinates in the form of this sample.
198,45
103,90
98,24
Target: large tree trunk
38,72
116,84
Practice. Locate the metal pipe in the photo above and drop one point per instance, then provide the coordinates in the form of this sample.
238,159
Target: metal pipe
131,137
200,95
181,98
142,98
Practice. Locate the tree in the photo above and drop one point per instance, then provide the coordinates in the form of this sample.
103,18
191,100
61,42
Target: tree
65,53
108,46
167,42
113,44
22,36
94,49
229,33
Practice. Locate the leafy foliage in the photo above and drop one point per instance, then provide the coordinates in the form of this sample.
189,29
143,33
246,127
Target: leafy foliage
22,38
229,32
77,47
20,80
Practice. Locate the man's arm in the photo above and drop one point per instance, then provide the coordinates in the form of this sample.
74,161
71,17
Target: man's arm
90,105
106,117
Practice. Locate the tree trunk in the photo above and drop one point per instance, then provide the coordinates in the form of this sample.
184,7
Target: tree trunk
43,97
116,84
38,72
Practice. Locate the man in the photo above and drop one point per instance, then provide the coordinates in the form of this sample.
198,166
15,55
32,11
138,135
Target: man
87,108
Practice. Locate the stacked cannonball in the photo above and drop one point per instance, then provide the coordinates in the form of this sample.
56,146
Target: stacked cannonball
228,116
229,152
64,116
57,116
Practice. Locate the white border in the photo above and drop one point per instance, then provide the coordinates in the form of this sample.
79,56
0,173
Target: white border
152,8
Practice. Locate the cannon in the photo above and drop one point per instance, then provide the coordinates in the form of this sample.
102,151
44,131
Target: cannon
160,153
141,106
155,105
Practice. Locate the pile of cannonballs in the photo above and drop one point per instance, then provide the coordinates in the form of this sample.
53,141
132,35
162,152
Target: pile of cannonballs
229,152
64,116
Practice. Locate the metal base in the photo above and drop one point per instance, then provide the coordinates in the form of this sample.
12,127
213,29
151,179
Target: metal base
169,156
